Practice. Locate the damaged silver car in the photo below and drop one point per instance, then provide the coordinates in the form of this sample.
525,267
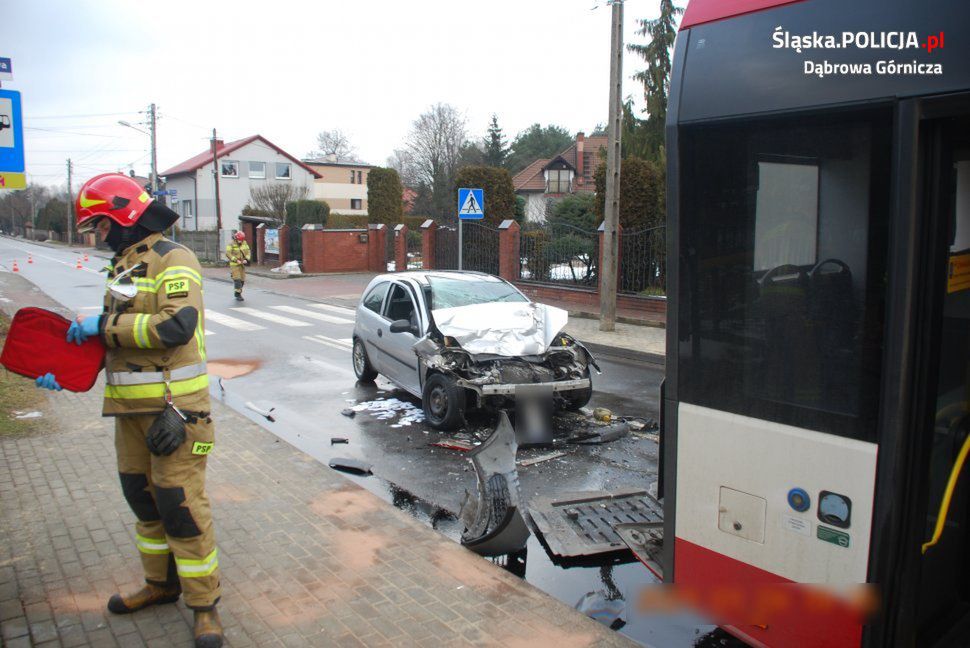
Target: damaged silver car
461,340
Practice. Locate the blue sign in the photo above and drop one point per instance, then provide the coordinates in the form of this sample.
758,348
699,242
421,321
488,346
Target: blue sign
471,204
11,133
6,69
167,192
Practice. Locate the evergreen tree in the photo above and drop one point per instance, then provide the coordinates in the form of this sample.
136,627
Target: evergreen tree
495,145
656,78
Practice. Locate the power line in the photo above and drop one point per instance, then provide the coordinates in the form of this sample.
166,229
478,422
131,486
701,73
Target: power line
130,112
59,132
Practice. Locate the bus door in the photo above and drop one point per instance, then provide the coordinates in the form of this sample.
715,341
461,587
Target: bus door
943,604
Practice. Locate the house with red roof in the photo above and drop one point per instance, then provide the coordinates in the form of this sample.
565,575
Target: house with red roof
549,179
242,165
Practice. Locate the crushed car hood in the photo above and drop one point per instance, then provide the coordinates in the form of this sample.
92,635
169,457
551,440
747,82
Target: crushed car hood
502,328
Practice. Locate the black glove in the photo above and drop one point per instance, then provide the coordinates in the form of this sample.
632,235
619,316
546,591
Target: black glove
167,433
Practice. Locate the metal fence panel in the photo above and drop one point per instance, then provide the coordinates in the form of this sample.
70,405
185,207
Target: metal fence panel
643,262
446,247
415,250
558,254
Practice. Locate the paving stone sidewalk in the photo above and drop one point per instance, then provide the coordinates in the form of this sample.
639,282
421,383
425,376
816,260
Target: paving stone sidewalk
308,558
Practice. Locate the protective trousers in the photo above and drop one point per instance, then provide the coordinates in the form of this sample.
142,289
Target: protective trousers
174,530
238,274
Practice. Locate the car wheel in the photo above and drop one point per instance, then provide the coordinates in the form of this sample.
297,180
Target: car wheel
577,398
362,366
444,402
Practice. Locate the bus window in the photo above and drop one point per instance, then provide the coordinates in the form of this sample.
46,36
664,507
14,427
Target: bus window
782,283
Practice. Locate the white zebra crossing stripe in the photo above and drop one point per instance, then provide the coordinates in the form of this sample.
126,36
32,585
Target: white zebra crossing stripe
270,317
231,322
335,343
323,317
346,312
330,342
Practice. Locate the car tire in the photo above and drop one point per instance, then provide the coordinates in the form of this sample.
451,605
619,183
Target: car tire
577,398
362,367
443,402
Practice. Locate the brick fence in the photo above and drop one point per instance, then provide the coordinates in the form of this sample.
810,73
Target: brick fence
365,250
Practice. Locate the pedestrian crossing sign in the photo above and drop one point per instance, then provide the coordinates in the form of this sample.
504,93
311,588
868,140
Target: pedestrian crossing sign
471,204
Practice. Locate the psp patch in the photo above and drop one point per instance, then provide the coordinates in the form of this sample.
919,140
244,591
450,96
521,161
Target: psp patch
177,288
201,448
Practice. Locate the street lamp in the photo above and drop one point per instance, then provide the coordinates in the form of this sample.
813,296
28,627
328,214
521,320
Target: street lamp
151,134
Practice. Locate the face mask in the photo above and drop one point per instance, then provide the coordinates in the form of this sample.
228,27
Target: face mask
121,287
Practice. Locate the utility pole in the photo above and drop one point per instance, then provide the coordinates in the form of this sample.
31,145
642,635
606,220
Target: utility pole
70,205
612,210
151,131
215,174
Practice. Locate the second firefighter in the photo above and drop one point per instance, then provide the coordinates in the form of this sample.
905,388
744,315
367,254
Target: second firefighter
238,254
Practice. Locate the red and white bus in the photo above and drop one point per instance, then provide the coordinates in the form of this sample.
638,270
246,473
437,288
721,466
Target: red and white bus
818,353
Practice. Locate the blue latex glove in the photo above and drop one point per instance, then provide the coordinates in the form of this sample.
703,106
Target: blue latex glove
80,331
47,381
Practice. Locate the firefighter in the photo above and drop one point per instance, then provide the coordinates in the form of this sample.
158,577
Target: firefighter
238,254
157,390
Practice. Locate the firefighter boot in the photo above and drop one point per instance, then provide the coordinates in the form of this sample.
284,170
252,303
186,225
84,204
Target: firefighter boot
208,629
148,595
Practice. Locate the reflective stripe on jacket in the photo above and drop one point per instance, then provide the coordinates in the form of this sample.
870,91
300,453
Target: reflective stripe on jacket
158,336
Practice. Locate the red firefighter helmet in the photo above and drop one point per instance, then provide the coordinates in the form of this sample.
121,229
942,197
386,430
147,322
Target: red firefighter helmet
239,236
110,195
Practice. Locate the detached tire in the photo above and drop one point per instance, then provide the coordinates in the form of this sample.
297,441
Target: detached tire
444,402
362,367
578,397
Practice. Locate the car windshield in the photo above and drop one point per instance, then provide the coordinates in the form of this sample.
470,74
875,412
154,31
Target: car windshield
451,292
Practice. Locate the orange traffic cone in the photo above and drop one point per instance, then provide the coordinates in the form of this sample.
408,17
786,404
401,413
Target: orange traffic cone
15,268
79,266
85,257
30,259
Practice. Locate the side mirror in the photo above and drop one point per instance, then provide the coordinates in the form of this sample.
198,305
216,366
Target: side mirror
400,326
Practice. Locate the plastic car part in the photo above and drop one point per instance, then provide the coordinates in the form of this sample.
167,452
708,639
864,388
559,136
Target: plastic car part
493,522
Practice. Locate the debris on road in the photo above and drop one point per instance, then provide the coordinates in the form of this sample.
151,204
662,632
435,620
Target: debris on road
582,524
336,440
541,458
598,435
602,414
289,268
645,540
455,444
27,415
349,412
267,414
355,466
604,607
493,523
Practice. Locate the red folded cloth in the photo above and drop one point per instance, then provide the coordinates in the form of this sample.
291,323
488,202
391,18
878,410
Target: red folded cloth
37,344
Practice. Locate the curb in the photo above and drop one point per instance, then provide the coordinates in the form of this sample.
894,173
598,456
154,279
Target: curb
619,353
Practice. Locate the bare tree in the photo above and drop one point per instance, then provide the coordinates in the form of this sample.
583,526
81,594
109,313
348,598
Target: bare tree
401,162
334,144
434,148
272,198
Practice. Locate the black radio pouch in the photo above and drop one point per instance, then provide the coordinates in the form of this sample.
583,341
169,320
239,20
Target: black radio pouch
167,432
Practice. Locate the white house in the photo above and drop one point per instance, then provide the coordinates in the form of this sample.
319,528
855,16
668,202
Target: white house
250,162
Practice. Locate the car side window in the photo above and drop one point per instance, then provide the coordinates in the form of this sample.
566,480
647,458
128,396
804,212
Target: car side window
375,297
400,306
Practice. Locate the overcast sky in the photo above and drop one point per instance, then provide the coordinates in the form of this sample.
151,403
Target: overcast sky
289,69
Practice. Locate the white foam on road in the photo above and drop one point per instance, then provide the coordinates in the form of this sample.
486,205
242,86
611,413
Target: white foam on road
270,317
231,322
322,317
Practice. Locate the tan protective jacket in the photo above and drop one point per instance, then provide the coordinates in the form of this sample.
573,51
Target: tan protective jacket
237,253
157,337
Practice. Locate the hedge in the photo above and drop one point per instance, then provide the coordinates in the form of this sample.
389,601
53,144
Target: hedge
384,196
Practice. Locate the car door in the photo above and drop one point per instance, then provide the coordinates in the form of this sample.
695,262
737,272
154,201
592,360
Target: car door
370,323
399,358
